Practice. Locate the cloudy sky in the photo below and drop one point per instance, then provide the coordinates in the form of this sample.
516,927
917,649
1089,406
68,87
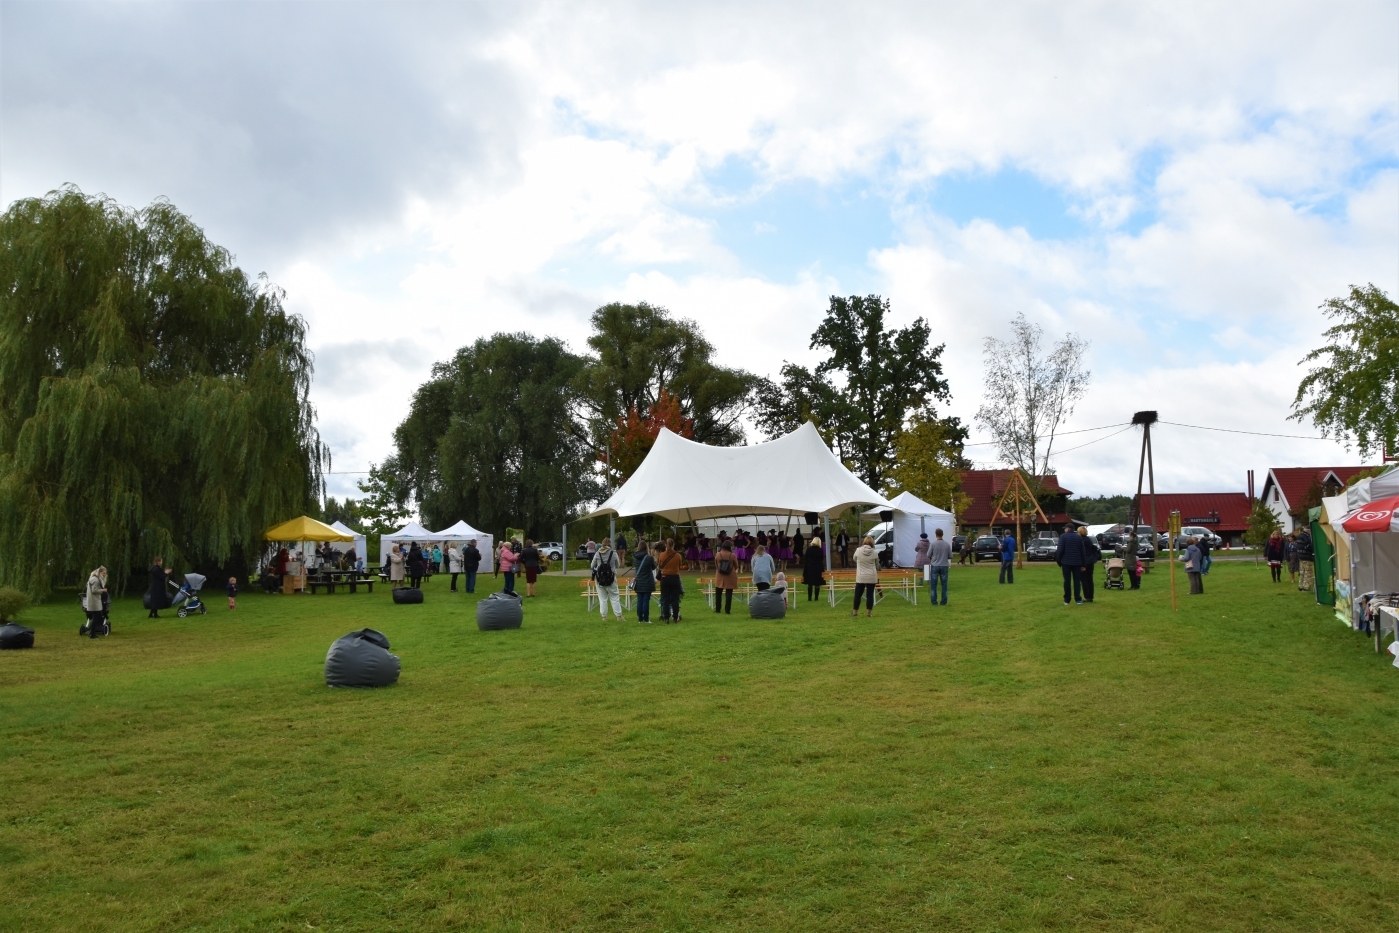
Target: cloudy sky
1181,183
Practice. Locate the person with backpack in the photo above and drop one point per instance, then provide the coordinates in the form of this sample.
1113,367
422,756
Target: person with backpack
643,582
725,576
668,569
604,568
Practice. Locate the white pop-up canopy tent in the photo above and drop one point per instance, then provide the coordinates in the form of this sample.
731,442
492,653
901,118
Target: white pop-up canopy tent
684,481
913,517
461,532
406,535
359,543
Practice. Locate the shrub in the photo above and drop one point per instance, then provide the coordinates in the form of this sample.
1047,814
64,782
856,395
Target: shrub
12,603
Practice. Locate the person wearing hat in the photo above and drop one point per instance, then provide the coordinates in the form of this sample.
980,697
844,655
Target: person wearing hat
920,551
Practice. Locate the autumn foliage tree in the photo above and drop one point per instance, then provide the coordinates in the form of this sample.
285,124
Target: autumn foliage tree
635,434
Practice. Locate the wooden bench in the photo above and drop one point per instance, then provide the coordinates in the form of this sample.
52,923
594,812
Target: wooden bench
590,593
745,589
330,583
903,582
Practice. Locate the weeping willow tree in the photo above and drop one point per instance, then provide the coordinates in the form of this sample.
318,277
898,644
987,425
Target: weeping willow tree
153,398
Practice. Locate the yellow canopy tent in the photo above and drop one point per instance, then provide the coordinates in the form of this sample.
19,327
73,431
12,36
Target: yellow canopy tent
304,529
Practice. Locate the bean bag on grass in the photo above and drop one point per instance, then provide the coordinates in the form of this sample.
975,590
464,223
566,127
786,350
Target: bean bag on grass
767,604
500,611
14,635
361,659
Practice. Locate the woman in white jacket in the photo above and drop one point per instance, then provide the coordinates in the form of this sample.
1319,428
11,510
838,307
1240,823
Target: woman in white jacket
454,563
866,575
92,601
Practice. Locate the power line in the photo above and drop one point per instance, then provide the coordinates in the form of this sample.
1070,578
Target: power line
1061,433
1201,427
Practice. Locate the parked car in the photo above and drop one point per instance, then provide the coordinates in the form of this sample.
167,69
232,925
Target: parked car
987,547
1146,543
1042,549
1193,532
550,549
582,553
1109,540
957,542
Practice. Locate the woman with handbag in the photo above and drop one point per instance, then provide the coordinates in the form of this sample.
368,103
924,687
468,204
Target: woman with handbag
669,563
725,576
643,582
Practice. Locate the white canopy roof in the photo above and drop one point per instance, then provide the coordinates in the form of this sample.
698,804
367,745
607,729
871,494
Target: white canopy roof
908,502
410,532
359,542
682,480
461,531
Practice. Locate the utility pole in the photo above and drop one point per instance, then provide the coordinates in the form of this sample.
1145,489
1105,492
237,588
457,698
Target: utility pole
1145,469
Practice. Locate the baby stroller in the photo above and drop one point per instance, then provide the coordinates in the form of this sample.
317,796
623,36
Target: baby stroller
102,625
1115,566
188,595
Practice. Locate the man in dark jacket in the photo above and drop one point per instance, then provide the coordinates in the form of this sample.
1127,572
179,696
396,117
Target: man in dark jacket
470,563
158,575
1071,557
1091,555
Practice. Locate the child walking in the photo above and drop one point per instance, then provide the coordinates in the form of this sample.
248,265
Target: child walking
232,592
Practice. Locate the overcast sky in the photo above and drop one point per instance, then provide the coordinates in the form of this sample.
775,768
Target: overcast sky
1180,183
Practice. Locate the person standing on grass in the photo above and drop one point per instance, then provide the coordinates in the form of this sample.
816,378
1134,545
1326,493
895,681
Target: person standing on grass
92,601
725,575
1294,562
1273,553
1194,560
813,568
1091,555
395,566
1205,559
799,548
470,564
763,567
529,559
453,556
866,575
643,582
920,552
842,545
417,564
620,546
939,565
1070,558
158,575
1305,558
668,565
1008,558
509,563
604,566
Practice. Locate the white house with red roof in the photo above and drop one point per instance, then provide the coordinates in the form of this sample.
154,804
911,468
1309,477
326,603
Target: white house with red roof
1289,491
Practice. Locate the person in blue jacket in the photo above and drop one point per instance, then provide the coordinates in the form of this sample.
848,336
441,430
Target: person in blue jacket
1008,558
1071,557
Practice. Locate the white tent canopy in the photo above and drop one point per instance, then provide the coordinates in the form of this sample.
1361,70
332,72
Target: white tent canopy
684,481
408,533
912,518
359,544
461,532
1372,488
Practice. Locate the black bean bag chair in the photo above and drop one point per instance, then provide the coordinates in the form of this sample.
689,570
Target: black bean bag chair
407,594
500,611
767,604
361,659
14,635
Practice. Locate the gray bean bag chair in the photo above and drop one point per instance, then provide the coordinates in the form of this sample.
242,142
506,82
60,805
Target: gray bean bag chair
14,635
361,659
499,611
767,604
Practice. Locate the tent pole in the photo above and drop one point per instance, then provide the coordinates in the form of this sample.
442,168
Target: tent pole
612,528
830,585
565,548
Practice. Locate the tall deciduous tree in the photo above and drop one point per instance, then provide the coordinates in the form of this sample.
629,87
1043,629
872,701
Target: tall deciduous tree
153,399
1030,394
928,462
642,351
1355,393
491,438
636,434
865,390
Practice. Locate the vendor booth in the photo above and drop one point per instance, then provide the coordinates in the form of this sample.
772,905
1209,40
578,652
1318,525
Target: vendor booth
795,477
460,533
304,533
359,544
406,536
912,518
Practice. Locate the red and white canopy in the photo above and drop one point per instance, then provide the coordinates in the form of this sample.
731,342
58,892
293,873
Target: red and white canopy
1380,515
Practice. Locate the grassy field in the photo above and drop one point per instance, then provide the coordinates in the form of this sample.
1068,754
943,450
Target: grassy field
1004,763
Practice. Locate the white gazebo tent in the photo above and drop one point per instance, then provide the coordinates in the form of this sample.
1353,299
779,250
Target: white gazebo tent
360,544
913,517
407,534
684,481
461,532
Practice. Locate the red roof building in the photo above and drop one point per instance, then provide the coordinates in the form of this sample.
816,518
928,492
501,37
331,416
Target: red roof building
1224,513
985,488
1290,490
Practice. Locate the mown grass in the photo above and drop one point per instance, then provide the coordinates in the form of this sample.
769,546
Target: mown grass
1004,763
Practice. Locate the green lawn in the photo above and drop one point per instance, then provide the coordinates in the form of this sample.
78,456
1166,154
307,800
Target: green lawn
1004,763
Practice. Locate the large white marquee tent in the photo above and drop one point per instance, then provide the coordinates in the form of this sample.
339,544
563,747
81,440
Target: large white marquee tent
684,481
